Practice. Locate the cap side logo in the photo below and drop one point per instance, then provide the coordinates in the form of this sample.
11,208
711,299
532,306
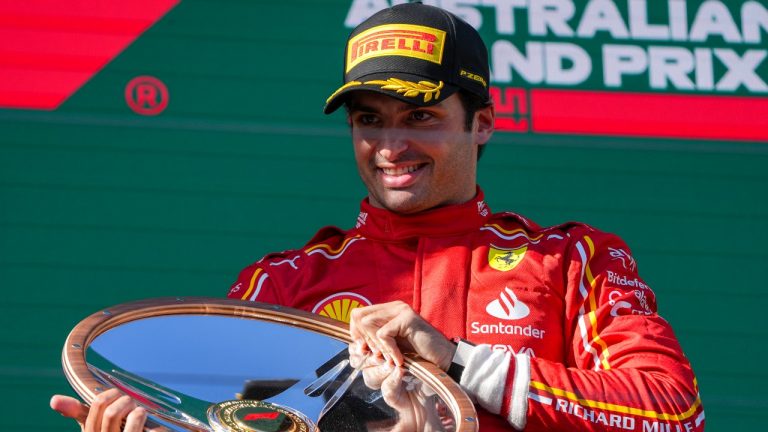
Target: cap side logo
473,76
421,42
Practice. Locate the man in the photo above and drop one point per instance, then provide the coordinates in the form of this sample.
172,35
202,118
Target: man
562,333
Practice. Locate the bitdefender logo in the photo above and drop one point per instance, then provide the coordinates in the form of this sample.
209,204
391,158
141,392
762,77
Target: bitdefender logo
507,306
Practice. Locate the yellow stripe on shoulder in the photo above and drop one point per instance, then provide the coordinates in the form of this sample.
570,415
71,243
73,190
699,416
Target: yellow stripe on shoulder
618,408
514,231
251,284
328,248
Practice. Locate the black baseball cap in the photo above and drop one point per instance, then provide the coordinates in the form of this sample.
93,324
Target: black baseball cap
417,53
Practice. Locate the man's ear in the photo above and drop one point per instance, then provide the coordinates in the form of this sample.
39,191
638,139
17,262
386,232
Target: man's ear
484,121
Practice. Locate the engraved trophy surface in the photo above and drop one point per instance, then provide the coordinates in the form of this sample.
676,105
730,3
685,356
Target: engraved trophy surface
206,364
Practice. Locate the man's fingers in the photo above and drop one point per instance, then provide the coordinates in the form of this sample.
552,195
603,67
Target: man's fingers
361,357
393,389
116,413
102,401
375,369
387,338
367,321
355,317
107,412
135,420
360,333
389,329
374,375
70,407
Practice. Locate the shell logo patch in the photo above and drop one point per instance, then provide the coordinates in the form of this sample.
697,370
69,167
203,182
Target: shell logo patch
505,259
339,306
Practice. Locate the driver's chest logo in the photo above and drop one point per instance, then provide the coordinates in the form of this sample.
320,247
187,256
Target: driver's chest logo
503,259
339,306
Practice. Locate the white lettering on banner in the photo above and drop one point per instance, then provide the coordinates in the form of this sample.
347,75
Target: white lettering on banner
620,60
673,65
705,76
713,18
670,64
557,55
507,329
602,16
721,65
556,17
741,70
678,21
505,14
552,15
754,17
639,25
542,62
506,57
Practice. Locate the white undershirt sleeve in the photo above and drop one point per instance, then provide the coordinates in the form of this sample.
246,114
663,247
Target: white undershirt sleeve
485,375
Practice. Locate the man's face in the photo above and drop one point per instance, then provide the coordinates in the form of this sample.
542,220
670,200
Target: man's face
411,158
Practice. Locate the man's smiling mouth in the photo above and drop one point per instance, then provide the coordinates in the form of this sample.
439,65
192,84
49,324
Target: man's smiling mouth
400,170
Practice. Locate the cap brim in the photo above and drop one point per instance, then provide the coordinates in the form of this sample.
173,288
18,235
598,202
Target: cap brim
412,89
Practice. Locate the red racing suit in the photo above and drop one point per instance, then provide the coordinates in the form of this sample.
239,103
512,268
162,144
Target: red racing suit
567,326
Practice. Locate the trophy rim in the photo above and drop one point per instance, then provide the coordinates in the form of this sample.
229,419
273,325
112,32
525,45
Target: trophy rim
88,387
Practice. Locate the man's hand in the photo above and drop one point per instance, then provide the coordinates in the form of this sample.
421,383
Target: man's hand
375,368
417,407
387,330
380,334
107,413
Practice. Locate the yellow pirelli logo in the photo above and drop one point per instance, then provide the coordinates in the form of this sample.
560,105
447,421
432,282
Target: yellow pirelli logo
407,40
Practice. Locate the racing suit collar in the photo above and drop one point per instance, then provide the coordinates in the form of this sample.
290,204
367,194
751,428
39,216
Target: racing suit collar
374,222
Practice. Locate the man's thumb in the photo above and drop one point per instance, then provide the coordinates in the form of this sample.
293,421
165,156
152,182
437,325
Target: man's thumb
69,407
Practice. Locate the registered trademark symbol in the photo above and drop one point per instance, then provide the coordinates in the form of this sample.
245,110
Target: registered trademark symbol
146,95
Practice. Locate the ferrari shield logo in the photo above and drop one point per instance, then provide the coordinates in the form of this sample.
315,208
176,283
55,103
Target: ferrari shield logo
505,259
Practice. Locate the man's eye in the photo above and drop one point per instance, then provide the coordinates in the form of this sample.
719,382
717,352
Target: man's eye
421,116
366,119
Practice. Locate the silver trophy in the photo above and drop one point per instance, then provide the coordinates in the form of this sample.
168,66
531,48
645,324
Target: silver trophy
202,364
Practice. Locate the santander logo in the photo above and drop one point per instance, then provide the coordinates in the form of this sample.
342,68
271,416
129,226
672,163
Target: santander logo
507,306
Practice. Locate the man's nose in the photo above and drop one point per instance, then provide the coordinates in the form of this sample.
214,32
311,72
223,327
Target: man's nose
392,143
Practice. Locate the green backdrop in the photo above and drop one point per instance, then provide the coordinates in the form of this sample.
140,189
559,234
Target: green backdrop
100,205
